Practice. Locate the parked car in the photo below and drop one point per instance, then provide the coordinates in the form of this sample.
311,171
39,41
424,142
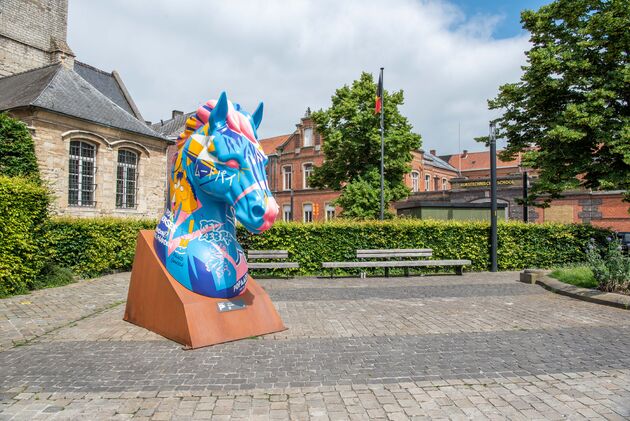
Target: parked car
624,237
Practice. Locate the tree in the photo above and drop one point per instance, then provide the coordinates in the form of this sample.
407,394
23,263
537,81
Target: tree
569,112
352,148
17,150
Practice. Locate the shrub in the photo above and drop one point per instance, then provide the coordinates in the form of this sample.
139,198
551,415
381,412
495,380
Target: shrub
24,209
92,247
17,150
610,267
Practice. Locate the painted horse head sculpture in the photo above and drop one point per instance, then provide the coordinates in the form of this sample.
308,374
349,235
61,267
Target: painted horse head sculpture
218,177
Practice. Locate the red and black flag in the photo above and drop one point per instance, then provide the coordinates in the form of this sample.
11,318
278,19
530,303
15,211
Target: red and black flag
378,105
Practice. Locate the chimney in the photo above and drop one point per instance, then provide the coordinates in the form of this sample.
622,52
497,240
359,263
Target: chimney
465,154
432,152
177,113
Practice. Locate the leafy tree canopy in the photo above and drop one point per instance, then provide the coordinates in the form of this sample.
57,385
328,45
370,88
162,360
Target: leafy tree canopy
569,112
17,150
353,148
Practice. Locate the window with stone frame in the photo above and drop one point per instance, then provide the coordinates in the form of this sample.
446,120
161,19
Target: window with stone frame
307,170
308,137
286,212
126,179
81,174
415,181
307,210
287,178
330,211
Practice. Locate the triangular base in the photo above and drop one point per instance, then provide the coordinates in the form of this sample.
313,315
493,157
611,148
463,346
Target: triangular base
156,301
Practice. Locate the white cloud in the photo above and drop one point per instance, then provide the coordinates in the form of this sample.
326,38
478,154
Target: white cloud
294,54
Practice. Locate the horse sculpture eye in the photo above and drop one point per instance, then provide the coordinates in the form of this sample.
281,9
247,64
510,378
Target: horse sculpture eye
233,163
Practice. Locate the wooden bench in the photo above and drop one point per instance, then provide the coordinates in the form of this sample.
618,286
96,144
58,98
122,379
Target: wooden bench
277,255
386,262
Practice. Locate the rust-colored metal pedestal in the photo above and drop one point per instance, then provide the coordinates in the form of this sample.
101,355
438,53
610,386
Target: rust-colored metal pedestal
159,303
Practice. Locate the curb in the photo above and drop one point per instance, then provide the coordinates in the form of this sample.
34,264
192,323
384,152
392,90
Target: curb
536,276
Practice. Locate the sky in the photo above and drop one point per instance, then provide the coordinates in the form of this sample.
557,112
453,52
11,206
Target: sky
448,56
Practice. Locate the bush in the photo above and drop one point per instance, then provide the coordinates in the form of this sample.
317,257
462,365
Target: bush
17,150
95,246
92,247
610,267
24,209
520,245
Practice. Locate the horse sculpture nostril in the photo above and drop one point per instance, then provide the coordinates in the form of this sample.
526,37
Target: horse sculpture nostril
258,211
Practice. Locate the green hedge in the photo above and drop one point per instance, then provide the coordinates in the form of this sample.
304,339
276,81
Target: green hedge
23,207
95,246
520,245
91,247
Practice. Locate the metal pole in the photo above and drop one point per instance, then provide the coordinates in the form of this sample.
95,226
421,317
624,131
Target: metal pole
493,199
382,150
525,195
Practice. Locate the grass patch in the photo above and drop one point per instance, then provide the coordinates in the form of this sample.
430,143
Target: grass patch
580,276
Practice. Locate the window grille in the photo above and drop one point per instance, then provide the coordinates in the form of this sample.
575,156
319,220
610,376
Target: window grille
81,174
126,179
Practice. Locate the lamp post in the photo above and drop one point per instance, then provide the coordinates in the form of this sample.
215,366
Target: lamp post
292,197
493,198
525,196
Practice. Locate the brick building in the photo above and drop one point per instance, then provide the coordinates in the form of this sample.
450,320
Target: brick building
93,148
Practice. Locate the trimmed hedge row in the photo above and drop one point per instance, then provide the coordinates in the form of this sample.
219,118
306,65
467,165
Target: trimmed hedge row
23,206
95,246
91,247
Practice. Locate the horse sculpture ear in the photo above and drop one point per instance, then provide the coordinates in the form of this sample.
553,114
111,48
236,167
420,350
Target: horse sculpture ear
258,115
220,111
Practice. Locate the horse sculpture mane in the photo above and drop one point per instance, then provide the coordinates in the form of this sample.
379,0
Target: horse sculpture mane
218,177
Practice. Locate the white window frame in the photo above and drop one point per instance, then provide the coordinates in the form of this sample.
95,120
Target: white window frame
304,212
287,171
304,176
329,207
286,212
415,181
85,194
126,181
310,137
427,182
444,183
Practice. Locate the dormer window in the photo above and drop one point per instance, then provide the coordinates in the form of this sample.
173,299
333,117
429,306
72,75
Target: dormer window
308,137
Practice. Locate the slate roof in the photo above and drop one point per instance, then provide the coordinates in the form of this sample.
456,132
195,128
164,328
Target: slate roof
436,161
106,84
172,128
62,90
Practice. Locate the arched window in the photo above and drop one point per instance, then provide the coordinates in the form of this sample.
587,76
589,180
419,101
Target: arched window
415,181
81,174
126,179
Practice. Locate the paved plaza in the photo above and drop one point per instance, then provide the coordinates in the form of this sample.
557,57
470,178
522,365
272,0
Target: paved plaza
479,346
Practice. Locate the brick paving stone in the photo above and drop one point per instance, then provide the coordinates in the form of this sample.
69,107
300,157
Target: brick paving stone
481,346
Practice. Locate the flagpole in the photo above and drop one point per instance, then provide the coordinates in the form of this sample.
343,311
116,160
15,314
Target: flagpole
382,151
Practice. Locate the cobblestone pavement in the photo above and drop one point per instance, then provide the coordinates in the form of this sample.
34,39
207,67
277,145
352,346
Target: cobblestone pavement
481,346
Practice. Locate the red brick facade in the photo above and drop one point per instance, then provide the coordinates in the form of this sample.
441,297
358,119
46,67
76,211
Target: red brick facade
296,152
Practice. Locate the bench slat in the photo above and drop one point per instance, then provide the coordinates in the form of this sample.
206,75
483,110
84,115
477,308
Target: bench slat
394,251
273,265
267,254
393,255
390,263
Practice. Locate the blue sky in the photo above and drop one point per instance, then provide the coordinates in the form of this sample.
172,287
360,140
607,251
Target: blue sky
449,57
509,12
